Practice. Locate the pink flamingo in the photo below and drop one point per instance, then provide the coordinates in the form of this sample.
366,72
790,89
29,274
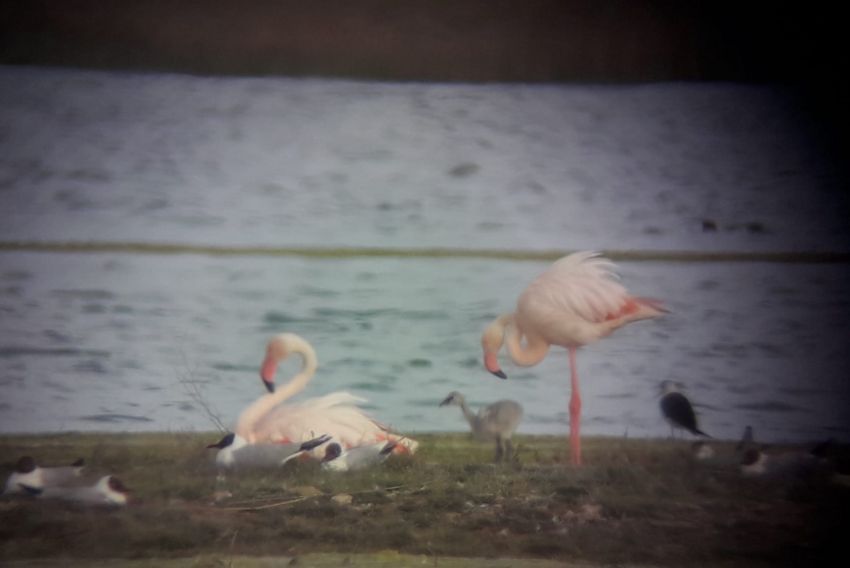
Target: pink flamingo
268,420
577,301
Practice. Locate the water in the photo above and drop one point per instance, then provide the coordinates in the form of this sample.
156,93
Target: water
105,341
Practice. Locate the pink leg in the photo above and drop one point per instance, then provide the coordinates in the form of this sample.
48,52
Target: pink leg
575,411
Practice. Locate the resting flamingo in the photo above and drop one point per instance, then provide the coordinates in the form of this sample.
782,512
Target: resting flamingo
268,420
577,301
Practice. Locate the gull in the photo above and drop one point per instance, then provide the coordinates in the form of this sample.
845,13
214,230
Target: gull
234,452
358,457
28,473
108,490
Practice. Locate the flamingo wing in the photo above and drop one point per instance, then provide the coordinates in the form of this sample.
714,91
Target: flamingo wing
582,284
334,414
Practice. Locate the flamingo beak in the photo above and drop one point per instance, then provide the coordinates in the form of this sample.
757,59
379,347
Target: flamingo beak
491,363
267,371
447,400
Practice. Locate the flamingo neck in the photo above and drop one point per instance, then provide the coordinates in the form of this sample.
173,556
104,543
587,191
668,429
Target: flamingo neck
528,354
251,415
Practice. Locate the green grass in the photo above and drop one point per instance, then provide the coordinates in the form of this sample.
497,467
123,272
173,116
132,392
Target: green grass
639,502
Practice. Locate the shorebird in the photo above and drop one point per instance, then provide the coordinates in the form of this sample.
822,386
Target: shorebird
109,490
702,451
747,441
234,452
677,410
761,461
28,473
497,421
358,457
577,301
758,462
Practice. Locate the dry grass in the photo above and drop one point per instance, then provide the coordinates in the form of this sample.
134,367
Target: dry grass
635,502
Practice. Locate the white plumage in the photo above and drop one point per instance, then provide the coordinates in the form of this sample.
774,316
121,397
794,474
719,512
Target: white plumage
356,458
234,452
335,414
108,490
28,473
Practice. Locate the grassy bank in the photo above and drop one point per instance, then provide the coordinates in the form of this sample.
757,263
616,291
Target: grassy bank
636,502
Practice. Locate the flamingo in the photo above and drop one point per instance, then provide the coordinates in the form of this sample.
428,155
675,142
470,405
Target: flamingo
335,414
578,301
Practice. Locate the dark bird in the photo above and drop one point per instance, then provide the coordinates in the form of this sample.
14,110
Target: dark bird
677,410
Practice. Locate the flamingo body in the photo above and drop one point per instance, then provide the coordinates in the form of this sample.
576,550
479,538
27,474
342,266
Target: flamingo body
577,301
269,420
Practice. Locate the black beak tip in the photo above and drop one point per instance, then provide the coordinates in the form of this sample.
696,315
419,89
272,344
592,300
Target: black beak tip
500,373
269,386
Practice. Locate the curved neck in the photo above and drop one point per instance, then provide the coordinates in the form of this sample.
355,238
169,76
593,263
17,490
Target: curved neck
468,414
534,350
260,407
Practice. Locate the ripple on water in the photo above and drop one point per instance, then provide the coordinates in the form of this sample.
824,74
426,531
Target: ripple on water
316,292
768,406
91,366
230,367
14,351
83,294
369,387
114,418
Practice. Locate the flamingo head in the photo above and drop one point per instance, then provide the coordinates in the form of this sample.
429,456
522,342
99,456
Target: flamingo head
491,342
276,350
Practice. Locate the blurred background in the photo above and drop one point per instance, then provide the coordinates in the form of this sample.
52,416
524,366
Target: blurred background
181,180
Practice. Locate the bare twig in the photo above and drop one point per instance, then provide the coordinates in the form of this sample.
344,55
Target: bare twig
192,386
232,544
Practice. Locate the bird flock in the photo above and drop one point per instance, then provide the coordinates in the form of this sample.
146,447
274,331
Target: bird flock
577,301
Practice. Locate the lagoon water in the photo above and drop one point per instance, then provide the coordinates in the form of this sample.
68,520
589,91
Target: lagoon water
107,341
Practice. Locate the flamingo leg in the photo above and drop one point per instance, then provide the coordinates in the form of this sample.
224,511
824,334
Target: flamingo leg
575,411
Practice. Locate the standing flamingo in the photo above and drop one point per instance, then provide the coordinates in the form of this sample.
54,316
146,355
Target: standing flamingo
335,414
577,301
